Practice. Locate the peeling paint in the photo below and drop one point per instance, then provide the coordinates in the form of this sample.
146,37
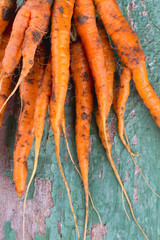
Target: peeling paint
135,195
36,210
143,3
144,13
101,172
134,140
68,131
131,6
149,26
126,177
133,114
137,170
67,100
59,225
112,130
90,145
61,192
96,232
66,158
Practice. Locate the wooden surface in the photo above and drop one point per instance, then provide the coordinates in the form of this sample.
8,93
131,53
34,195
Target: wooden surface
48,213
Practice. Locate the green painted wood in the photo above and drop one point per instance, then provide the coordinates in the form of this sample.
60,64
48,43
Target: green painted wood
105,191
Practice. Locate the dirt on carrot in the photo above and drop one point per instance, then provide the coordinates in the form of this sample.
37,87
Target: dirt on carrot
130,52
25,130
29,27
5,84
60,39
7,8
41,105
84,105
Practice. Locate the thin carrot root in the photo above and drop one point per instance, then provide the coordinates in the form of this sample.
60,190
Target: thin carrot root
121,184
85,187
57,144
41,105
125,207
74,164
127,146
104,135
137,167
28,186
121,99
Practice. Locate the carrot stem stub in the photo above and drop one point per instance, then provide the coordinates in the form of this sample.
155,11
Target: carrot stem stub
84,105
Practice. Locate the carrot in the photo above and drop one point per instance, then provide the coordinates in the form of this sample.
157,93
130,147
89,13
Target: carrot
119,107
74,164
84,105
110,60
86,27
123,94
84,17
41,105
130,52
7,8
5,84
29,27
25,129
60,37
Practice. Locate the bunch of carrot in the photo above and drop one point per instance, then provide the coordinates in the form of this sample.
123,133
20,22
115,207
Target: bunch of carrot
44,79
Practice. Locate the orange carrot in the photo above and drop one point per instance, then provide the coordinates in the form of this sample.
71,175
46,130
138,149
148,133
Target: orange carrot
130,52
60,37
29,27
7,8
123,94
119,107
5,84
41,106
25,130
84,17
85,23
110,60
84,105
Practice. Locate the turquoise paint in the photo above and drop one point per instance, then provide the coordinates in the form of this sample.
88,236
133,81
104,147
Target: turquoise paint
106,193
8,232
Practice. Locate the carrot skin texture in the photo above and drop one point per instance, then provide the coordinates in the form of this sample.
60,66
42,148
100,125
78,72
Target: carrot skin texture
42,103
147,92
123,94
84,16
25,132
7,8
27,32
60,37
125,40
110,60
130,52
5,84
84,106
32,23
